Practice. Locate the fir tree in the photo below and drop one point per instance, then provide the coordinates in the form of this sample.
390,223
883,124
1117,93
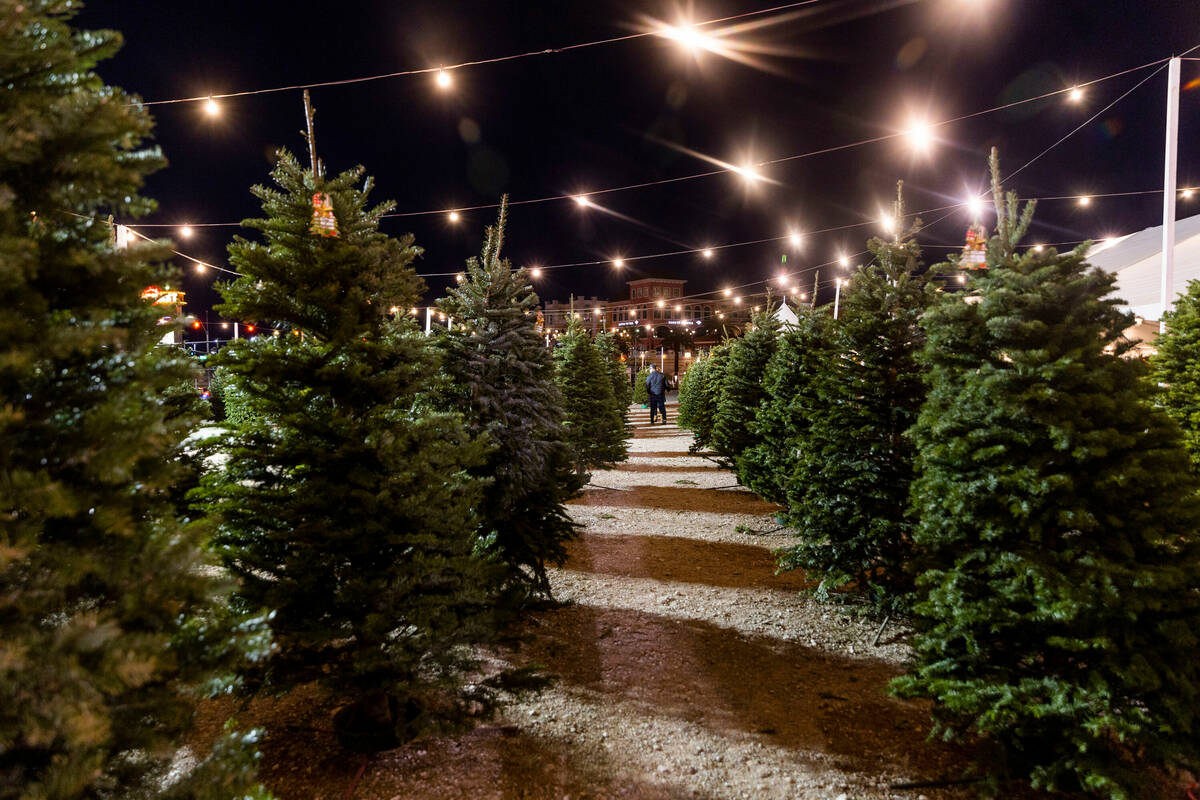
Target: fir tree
852,479
780,427
1176,368
1058,523
595,422
610,353
685,414
704,392
742,390
108,619
346,502
501,378
641,393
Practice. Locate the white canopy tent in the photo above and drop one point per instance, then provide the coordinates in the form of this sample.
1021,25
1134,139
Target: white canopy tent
1137,260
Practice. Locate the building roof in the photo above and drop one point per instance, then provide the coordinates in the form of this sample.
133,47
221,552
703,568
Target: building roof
656,280
1137,260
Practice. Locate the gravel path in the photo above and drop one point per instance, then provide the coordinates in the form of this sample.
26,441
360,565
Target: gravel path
685,667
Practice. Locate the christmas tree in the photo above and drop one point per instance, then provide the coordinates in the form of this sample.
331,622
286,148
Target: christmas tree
641,393
501,378
1057,602
703,393
595,420
780,428
110,619
610,353
347,499
742,389
852,478
685,414
1176,368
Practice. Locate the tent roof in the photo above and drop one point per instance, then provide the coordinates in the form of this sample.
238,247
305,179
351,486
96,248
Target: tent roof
1137,260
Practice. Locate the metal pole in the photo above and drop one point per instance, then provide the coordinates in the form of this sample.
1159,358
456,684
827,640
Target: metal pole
428,320
837,298
1172,159
235,331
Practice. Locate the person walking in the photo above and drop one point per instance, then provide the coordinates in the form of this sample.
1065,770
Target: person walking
656,387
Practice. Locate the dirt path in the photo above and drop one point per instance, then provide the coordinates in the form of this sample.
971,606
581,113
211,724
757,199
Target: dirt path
686,668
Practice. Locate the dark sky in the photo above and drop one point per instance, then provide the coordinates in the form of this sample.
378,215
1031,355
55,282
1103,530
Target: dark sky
592,118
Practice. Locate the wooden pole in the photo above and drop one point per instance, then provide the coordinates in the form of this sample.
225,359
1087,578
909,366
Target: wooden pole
312,139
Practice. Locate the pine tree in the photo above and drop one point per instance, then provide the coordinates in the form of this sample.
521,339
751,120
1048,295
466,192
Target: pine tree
742,389
780,427
1058,606
610,353
346,502
1176,368
108,620
852,479
595,421
501,379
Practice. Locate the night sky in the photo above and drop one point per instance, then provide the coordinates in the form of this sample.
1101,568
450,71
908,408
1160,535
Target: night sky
831,73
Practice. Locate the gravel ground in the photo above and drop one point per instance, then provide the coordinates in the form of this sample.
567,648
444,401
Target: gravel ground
685,667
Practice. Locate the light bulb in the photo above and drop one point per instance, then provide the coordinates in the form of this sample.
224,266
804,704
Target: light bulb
661,304
536,272
844,261
1085,201
1075,95
728,292
443,79
920,136
211,108
707,252
581,200
1187,193
794,239
453,216
618,262
460,277
186,231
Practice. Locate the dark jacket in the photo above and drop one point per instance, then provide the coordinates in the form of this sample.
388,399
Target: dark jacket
656,383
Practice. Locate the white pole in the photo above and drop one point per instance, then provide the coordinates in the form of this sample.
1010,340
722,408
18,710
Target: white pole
428,320
837,298
1172,158
235,331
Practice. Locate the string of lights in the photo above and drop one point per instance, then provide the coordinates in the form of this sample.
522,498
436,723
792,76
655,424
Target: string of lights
917,131
442,72
710,251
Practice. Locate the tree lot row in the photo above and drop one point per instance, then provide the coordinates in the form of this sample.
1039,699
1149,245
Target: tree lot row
990,464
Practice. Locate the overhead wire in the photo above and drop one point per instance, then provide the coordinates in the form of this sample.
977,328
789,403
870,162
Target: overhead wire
725,170
473,63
